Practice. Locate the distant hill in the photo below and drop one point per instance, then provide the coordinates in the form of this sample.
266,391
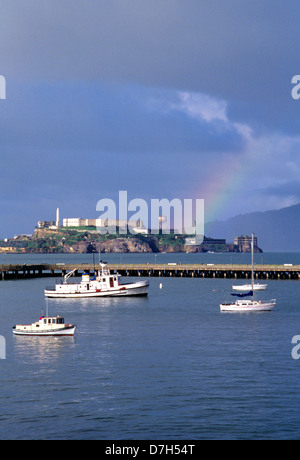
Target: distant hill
276,231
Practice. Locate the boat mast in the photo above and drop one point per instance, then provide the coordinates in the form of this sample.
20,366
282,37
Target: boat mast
252,263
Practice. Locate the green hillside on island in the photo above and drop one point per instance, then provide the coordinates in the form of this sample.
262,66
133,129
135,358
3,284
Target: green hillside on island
88,240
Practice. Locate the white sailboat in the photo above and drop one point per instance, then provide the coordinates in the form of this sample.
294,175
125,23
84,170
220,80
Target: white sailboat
253,286
248,287
249,304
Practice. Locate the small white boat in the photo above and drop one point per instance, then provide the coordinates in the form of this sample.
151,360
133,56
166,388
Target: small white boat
105,284
249,304
46,326
248,287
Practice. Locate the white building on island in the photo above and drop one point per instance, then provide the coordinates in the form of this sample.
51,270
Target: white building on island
134,226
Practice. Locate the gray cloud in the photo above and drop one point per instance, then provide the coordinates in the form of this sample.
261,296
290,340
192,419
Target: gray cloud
93,118
290,189
81,76
207,45
243,52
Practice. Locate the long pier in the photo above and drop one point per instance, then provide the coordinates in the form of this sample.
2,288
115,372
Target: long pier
276,272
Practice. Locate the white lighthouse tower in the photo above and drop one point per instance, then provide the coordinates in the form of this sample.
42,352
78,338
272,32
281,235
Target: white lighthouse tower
57,218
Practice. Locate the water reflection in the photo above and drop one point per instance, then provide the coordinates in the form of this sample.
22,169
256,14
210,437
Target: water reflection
42,349
70,305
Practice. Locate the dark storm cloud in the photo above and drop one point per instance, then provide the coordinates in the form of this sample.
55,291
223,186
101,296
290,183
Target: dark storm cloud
236,50
228,46
110,94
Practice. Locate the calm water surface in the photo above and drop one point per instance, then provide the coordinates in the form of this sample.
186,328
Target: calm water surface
169,366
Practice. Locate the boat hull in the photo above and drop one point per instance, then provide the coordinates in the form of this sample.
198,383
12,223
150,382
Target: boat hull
67,331
248,287
135,289
248,306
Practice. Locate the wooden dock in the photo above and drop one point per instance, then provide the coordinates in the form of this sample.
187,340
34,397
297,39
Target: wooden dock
276,272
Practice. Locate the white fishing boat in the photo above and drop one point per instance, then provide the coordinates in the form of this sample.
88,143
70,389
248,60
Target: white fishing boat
46,326
242,305
103,285
248,287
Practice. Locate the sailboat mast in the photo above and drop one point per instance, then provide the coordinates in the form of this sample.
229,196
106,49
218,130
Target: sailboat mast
252,262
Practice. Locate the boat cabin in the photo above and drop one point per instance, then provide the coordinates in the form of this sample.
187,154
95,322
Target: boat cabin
109,281
44,323
104,281
52,320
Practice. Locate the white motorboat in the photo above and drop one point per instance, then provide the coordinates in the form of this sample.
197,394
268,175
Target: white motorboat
105,284
248,287
46,326
242,305
249,305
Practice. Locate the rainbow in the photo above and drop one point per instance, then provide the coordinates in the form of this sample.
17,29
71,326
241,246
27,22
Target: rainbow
220,188
225,183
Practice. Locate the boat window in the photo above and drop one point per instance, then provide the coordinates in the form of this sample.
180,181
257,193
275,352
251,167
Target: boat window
49,321
45,321
54,321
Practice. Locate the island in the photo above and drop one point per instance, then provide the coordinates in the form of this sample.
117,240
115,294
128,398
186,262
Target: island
89,240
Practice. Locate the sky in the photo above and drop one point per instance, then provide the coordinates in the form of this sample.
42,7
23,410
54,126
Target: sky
187,99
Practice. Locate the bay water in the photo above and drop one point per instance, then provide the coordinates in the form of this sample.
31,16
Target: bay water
168,366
